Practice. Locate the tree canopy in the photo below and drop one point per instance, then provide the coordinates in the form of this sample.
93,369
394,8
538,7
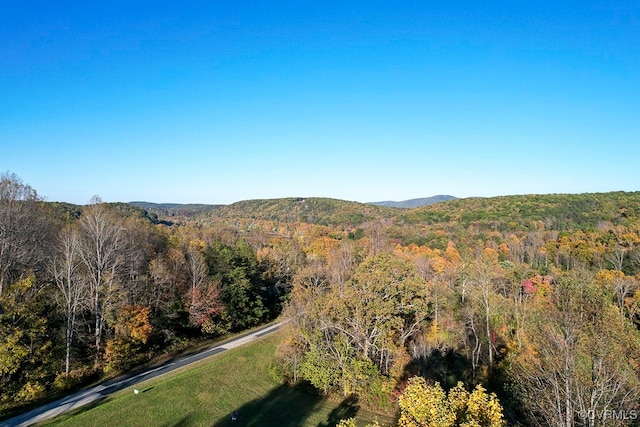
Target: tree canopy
532,303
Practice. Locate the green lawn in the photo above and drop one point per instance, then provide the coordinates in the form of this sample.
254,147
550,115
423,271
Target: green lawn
206,395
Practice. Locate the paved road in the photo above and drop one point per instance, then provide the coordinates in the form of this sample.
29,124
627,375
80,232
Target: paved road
103,390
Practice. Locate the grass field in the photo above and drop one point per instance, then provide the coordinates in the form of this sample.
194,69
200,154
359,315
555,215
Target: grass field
206,395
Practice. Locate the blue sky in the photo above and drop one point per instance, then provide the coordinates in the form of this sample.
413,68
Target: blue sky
221,101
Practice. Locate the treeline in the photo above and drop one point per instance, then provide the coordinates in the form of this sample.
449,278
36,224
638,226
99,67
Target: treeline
533,298
93,290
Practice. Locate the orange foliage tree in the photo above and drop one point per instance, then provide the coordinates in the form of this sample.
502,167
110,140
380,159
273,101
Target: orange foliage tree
132,331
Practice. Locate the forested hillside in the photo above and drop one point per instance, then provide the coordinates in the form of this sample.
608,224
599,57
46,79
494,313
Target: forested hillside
313,210
169,211
415,203
518,308
528,212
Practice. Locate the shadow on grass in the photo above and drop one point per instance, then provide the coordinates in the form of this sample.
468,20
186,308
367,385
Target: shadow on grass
184,422
286,406
348,408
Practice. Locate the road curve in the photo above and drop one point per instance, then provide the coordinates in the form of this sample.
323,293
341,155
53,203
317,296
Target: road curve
103,390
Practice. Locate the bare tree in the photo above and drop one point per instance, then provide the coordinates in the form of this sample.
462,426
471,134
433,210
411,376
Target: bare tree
101,250
624,242
579,359
66,269
198,274
160,283
377,233
341,263
623,287
168,271
484,272
139,248
20,232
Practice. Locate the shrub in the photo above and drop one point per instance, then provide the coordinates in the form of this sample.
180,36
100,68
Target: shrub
74,378
31,391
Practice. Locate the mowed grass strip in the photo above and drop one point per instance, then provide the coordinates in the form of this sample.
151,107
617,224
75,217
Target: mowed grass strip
207,395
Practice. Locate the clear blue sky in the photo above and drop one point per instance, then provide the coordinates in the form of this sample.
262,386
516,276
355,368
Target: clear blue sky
221,101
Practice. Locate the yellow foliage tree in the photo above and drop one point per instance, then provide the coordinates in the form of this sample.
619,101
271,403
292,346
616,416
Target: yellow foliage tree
422,405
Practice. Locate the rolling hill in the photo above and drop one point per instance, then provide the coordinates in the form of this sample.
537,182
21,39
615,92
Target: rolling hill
415,203
313,210
516,212
523,212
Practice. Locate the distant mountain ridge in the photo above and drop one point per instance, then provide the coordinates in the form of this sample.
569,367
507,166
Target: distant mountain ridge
415,203
586,211
313,210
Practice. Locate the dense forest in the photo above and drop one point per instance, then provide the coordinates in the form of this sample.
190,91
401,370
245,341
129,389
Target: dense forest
482,311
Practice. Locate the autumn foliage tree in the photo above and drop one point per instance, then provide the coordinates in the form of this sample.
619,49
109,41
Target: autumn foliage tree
204,306
132,330
422,405
355,332
24,344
